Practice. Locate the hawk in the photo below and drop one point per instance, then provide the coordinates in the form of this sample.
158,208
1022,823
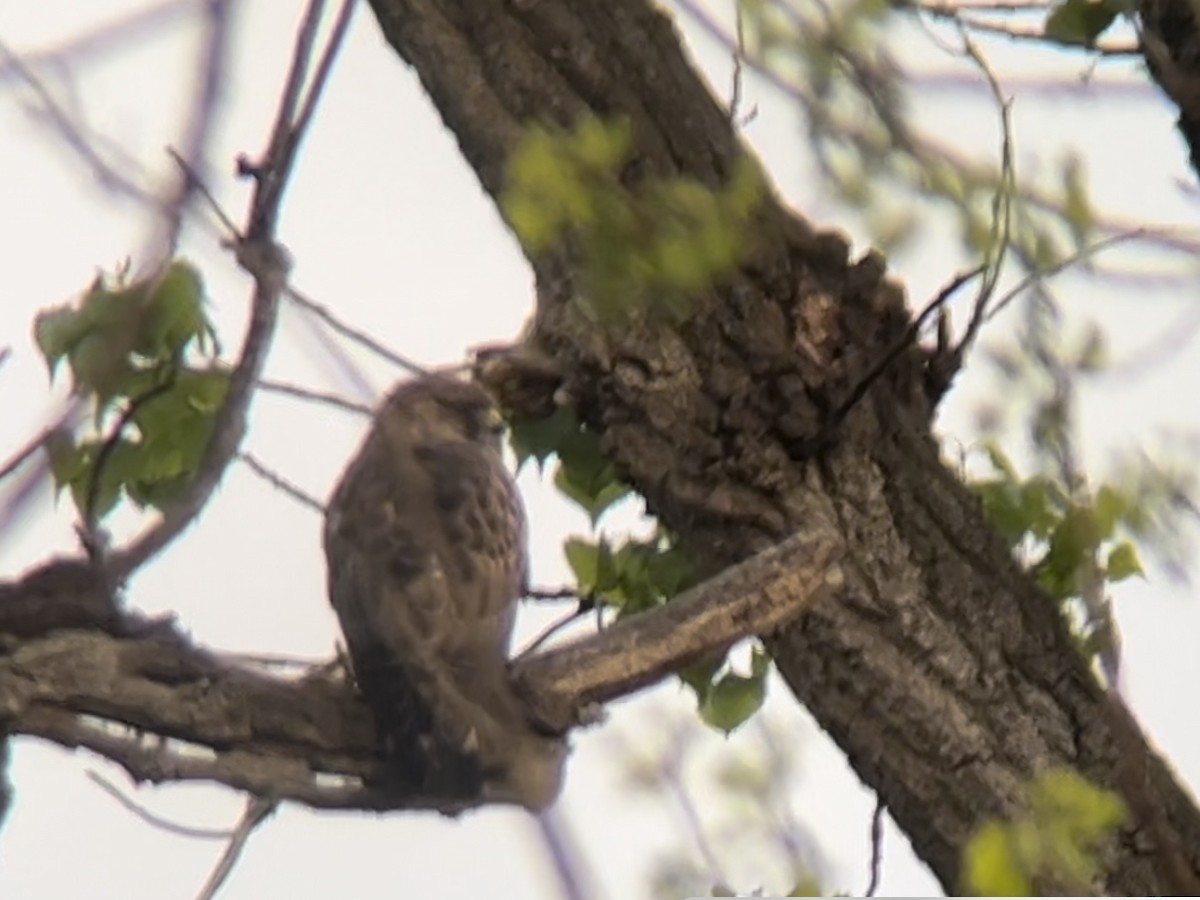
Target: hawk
425,546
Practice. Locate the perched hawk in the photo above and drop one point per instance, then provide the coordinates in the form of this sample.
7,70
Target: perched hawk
425,544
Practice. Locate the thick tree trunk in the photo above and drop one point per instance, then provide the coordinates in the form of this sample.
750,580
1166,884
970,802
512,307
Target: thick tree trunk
939,668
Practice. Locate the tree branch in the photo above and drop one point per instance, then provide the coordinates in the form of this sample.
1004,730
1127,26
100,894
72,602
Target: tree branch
108,682
258,254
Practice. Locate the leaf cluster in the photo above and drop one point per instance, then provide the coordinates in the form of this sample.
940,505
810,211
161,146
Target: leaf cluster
128,347
1065,820
634,575
1037,515
652,247
1062,535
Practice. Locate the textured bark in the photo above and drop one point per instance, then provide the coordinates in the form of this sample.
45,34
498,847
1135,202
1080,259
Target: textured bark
1171,44
939,668
76,671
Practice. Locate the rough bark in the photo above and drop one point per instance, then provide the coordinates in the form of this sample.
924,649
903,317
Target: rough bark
1171,45
77,671
943,673
925,652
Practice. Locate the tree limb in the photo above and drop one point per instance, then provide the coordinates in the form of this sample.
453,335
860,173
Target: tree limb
139,693
939,667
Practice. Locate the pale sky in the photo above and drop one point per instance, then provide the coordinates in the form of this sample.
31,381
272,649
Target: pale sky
388,227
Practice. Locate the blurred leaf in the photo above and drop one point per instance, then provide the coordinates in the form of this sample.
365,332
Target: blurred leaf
173,314
1123,562
1080,21
595,491
732,699
541,439
990,867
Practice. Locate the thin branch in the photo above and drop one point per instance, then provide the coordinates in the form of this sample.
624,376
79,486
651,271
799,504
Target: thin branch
922,148
1001,207
109,447
673,776
310,740
24,454
112,176
258,254
209,79
754,597
291,390
257,811
25,487
359,337
108,38
896,350
1084,253
1031,35
325,66
876,848
554,628
196,183
189,831
552,826
280,483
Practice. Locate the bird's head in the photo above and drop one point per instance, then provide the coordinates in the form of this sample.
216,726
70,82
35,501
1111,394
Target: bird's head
438,407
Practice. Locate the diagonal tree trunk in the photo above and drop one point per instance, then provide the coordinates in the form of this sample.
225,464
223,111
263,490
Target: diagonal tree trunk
939,668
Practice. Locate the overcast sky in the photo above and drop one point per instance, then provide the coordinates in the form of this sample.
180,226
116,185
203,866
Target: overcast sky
388,226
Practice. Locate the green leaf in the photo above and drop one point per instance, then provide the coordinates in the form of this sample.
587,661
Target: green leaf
732,699
1080,21
173,314
991,867
1123,562
808,886
584,560
56,331
1077,204
595,495
541,439
699,675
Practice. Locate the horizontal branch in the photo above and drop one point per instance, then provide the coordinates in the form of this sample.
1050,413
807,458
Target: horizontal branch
140,694
752,598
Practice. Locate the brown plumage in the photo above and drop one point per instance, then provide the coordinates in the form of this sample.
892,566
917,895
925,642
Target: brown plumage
425,544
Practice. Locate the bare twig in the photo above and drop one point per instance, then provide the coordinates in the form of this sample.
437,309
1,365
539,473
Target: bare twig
280,483
257,811
554,628
112,175
258,254
876,848
25,487
324,67
566,592
291,390
1084,253
209,79
923,148
108,38
686,807
1001,207
359,337
24,454
106,451
556,839
1029,34
210,834
896,350
196,183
